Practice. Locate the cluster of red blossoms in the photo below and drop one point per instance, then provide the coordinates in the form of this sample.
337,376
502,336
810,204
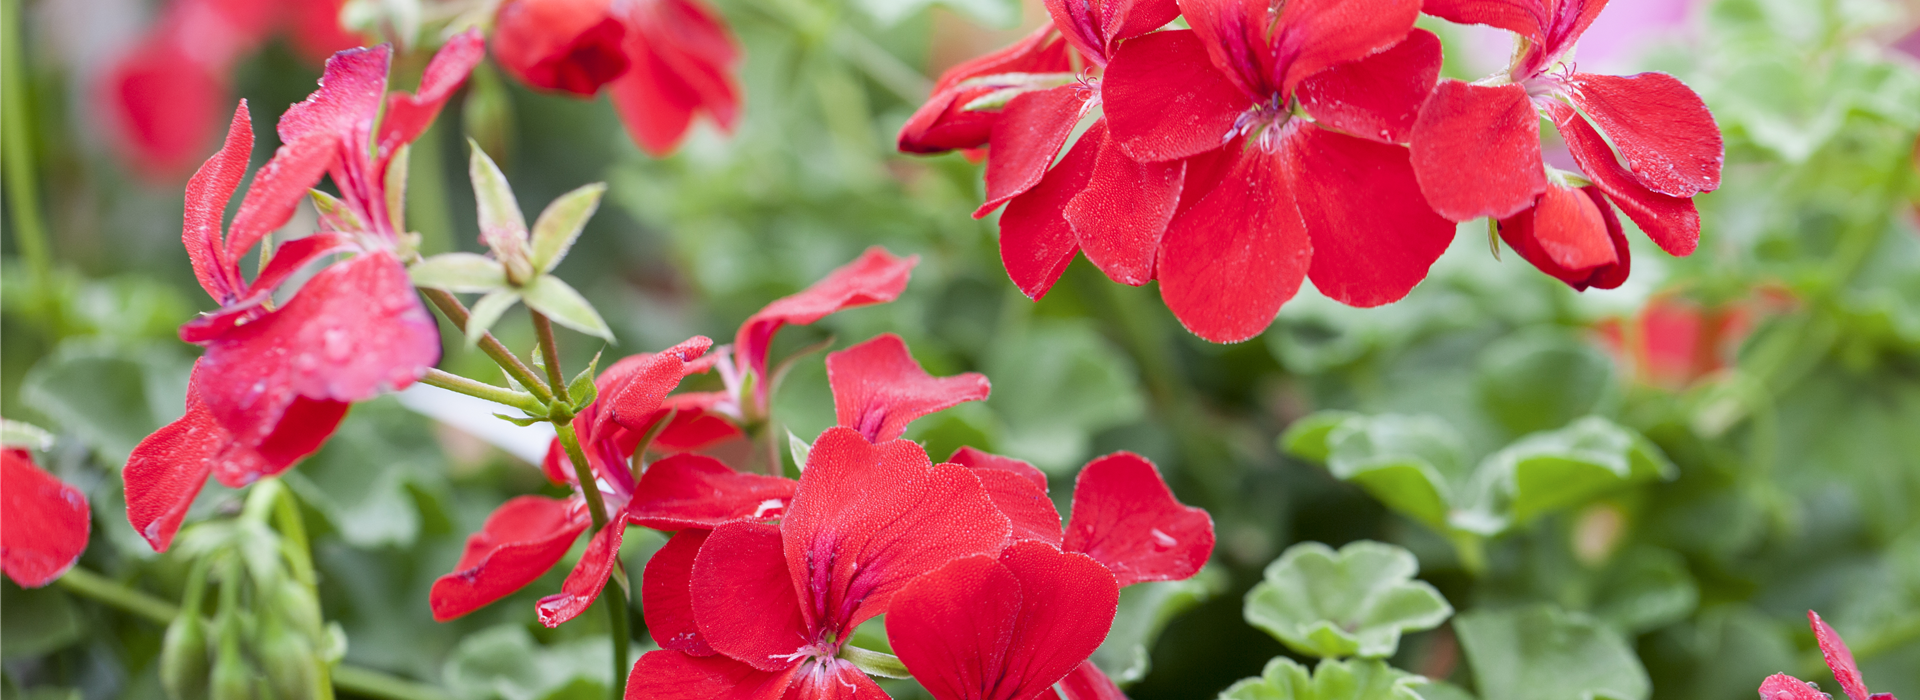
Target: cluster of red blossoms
278,375
1311,139
765,578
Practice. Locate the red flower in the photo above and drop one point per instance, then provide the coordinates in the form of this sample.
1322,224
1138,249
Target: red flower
1331,197
274,382
164,97
878,388
43,522
1476,147
1098,199
1781,686
759,610
667,60
980,629
529,534
1673,342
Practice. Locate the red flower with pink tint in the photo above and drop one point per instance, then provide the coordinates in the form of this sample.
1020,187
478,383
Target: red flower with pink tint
1289,126
878,388
164,97
1673,342
667,61
274,382
528,535
756,610
1023,103
986,628
1781,686
1646,143
43,522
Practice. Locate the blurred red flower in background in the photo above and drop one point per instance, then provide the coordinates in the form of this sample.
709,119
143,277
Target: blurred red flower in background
1674,341
44,522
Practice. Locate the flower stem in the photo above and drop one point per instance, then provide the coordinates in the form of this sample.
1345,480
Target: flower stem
479,389
16,109
293,531
456,312
596,508
351,679
550,354
616,597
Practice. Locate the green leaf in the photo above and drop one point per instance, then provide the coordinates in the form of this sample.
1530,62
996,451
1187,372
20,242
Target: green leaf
361,481
458,272
487,311
581,389
35,621
14,433
1539,652
1307,438
502,227
550,296
1410,463
1572,466
1145,610
1644,589
1360,679
560,224
1540,381
1055,384
1354,602
334,214
108,394
505,663
799,449
522,421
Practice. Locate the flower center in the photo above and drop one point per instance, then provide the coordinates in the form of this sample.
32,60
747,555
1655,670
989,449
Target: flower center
1262,123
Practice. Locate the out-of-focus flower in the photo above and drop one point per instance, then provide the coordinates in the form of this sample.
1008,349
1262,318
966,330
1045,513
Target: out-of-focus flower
664,61
1781,686
1476,149
44,522
274,382
1673,341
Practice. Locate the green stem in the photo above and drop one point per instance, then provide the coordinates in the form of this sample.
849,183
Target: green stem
16,113
479,389
456,312
616,600
582,472
616,597
550,354
351,679
293,532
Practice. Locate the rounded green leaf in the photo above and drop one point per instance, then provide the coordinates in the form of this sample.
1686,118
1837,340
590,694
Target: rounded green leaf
1359,679
1354,602
1541,653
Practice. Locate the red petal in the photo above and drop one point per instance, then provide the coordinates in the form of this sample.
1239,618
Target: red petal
1036,242
869,518
524,538
1570,235
697,491
1122,213
876,277
1672,222
167,469
672,675
655,106
583,584
573,46
1661,127
666,594
942,124
1011,628
1018,490
834,679
1125,517
207,194
409,114
348,99
696,425
985,461
1374,236
354,331
1476,150
744,598
681,54
1314,35
1524,17
1839,657
315,29
1781,686
878,388
1096,28
1088,682
279,186
1240,252
1165,100
1029,133
164,105
1377,97
635,398
46,522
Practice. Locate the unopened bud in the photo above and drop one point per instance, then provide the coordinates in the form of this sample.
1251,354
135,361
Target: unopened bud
291,665
294,603
233,677
184,659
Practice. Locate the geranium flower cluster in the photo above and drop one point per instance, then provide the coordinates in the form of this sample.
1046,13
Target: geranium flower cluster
1311,139
765,578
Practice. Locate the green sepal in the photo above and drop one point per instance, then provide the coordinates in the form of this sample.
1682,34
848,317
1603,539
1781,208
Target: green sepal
560,225
487,311
550,296
458,272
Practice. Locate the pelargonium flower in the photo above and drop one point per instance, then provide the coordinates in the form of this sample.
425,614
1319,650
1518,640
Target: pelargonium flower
666,60
164,97
878,388
1673,342
1646,143
44,522
1839,658
274,382
1023,103
1015,625
527,535
1290,126
760,610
